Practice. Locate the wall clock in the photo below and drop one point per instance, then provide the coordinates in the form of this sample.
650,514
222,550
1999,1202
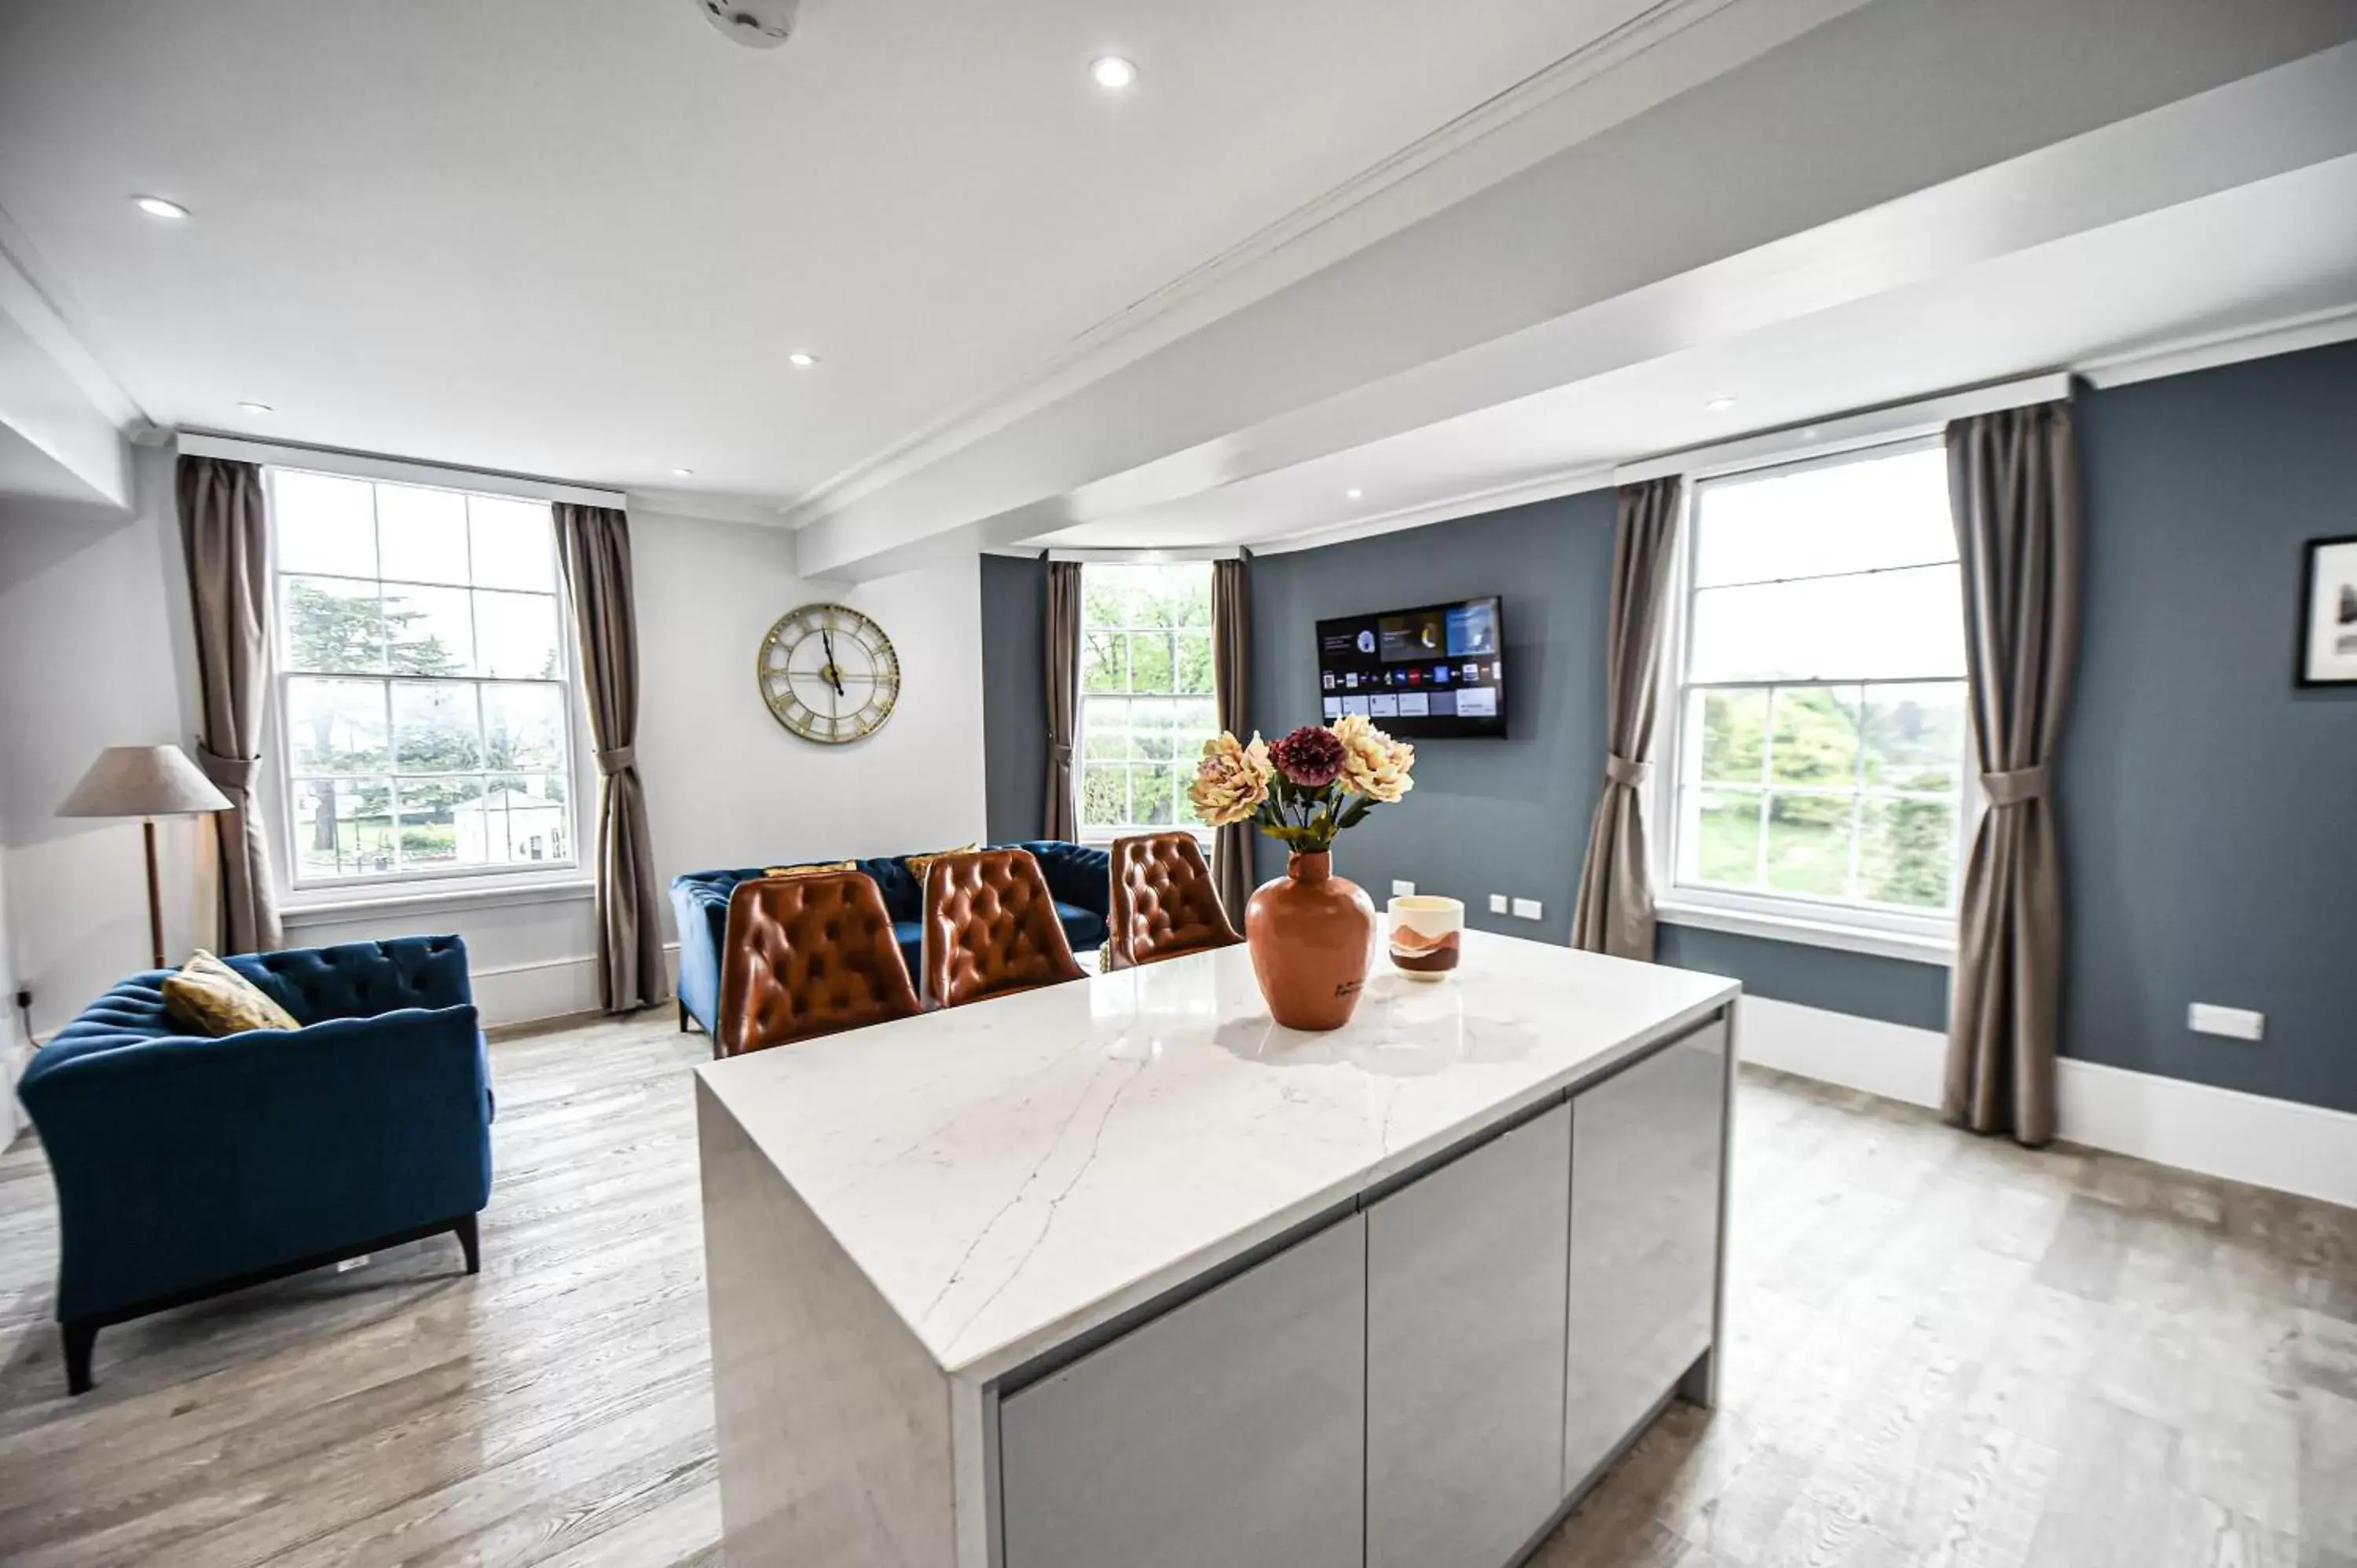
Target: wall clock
829,674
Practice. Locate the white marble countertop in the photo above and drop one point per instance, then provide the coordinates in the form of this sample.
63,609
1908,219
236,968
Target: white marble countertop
1013,1172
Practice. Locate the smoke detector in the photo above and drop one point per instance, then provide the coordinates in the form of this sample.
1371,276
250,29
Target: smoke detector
755,24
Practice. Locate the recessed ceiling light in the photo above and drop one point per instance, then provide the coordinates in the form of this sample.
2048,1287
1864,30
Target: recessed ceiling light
255,407
1352,494
1721,404
685,473
802,361
1111,72
156,207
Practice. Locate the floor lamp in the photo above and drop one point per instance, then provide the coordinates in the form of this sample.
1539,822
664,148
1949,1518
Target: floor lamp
147,781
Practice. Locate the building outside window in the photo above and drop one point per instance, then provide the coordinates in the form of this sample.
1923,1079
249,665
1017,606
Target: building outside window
1819,761
1146,706
424,711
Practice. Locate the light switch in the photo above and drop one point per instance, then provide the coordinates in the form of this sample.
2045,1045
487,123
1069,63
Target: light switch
1497,903
1527,908
1402,889
2236,1023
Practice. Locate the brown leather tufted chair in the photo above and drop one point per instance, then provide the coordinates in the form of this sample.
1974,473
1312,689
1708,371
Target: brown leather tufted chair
1164,901
990,928
808,954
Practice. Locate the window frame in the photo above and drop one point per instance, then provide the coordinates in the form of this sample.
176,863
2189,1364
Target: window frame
1855,926
1101,835
298,894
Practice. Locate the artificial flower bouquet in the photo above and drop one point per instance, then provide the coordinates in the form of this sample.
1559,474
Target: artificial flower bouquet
1306,788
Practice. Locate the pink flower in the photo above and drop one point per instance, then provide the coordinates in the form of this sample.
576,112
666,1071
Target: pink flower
1311,756
1231,781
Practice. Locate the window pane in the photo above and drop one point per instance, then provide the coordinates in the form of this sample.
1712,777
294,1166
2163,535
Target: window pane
1816,737
429,631
323,525
336,727
1102,668
516,637
523,819
1197,719
1194,652
1891,624
1907,853
1914,736
1151,799
1152,734
1180,779
333,624
523,727
442,823
1848,517
422,533
1149,661
435,728
1734,728
1724,842
514,543
1808,844
1104,729
1103,796
343,827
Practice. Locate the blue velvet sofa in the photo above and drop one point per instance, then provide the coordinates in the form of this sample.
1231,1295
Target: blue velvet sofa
1079,877
187,1166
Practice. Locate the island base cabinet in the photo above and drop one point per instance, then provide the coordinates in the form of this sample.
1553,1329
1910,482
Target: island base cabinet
1465,1352
1229,1430
1646,1147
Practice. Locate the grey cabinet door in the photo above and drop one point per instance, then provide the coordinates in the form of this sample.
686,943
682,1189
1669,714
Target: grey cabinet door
1645,1150
1231,1430
1465,1348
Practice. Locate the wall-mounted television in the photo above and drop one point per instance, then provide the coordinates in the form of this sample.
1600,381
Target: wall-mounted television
1425,674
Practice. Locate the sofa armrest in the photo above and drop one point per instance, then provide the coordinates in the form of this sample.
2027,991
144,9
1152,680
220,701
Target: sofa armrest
181,1161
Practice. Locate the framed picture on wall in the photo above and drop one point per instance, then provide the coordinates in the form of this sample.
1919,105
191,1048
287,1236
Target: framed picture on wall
2328,608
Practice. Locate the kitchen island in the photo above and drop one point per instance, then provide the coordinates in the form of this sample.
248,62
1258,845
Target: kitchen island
1119,1273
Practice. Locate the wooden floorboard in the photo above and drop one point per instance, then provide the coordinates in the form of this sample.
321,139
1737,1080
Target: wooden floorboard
1945,1352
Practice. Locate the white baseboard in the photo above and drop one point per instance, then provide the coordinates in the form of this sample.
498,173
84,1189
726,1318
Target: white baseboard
553,988
2276,1143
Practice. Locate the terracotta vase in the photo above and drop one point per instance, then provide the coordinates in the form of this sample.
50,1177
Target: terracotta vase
1312,936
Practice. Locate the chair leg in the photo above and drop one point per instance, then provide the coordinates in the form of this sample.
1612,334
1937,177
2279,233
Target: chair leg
79,1339
470,1242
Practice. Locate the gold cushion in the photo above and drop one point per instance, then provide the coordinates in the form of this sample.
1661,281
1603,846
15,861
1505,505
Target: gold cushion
918,862
210,997
807,870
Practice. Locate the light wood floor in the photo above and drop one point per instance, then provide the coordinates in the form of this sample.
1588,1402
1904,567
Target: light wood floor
1947,1352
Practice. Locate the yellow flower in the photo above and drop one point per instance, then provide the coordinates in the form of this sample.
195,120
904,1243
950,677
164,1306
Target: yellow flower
1232,780
1374,764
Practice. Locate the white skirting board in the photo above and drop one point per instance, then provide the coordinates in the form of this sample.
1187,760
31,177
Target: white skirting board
554,988
2217,1131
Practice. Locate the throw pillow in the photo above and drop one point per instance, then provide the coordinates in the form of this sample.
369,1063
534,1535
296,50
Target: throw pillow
807,870
212,998
918,863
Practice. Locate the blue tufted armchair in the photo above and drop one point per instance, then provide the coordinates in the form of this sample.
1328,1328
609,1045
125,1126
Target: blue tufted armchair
187,1166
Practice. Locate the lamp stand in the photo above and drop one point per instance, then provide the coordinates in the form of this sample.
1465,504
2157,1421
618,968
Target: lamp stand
155,896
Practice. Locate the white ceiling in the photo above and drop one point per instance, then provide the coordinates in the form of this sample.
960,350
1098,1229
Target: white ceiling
579,237
2278,249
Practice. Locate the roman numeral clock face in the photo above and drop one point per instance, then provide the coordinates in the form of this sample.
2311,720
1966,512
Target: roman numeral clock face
829,674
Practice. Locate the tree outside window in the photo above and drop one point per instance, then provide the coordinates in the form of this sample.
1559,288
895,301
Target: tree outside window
1146,706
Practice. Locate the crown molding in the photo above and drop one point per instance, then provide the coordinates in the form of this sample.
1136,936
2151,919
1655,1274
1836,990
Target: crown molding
709,506
1252,268
2208,351
1470,503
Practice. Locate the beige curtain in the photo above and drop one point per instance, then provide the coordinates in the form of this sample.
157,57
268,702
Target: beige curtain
225,541
1616,894
594,543
2013,487
1232,846
1063,674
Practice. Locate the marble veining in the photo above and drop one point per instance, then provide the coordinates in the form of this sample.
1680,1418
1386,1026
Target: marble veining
1009,1173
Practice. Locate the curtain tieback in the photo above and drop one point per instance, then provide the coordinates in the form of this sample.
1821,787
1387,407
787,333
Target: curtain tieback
1060,754
2020,786
612,762
238,773
1620,770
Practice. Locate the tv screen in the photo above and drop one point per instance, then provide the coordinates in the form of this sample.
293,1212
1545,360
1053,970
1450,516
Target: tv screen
1423,674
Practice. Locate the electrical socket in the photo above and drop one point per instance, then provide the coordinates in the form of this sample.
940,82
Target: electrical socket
1497,903
1401,890
2235,1022
1526,908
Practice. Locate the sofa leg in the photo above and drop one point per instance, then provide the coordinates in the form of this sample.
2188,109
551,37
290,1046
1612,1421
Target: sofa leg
471,1243
79,1339
682,1016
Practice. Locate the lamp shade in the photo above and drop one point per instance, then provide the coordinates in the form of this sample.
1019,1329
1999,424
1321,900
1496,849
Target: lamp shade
143,781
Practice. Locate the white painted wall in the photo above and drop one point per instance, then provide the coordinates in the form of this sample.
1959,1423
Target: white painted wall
94,652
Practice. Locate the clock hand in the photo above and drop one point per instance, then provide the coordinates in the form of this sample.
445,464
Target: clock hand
834,676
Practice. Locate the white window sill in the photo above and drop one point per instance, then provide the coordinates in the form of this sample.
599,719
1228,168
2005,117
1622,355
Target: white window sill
341,905
1809,932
